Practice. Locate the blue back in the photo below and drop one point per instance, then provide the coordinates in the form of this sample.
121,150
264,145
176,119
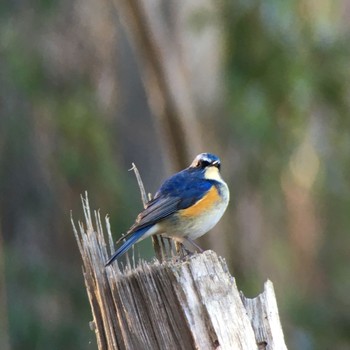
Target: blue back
188,185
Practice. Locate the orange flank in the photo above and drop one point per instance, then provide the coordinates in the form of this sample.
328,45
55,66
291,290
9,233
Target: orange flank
205,203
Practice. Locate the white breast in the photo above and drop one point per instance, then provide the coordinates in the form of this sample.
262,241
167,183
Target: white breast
209,219
195,227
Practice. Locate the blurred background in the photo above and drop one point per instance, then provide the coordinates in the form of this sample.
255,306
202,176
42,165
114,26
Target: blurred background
88,87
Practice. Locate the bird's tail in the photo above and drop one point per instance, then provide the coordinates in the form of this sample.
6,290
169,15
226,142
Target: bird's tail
127,245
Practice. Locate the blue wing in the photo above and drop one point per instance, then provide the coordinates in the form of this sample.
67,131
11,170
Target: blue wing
178,192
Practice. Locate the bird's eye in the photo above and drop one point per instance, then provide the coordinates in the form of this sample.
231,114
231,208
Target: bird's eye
203,163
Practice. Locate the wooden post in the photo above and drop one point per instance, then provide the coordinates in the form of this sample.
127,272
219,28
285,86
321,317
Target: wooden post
177,304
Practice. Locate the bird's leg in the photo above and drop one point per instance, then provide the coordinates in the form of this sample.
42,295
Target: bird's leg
195,244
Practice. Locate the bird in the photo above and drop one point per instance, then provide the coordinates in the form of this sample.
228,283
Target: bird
187,205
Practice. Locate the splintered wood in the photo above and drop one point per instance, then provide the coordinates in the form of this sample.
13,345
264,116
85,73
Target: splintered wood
177,304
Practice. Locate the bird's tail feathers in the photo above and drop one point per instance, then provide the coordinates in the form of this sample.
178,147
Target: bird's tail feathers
127,245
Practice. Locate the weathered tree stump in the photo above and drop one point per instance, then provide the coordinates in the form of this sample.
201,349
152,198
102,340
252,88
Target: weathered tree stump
191,303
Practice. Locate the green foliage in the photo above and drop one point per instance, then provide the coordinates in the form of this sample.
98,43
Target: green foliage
286,107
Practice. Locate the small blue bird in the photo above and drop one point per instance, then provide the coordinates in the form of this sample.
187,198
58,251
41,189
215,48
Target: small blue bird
186,206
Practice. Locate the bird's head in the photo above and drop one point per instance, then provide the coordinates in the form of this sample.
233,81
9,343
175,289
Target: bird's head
209,164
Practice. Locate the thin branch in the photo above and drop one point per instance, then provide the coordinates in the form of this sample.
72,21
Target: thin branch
144,197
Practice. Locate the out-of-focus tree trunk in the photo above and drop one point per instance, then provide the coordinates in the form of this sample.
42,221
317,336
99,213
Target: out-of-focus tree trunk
304,226
164,80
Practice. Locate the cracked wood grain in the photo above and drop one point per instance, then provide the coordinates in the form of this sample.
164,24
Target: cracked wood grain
180,304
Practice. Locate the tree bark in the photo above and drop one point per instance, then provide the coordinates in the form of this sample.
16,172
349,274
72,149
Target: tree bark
190,303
